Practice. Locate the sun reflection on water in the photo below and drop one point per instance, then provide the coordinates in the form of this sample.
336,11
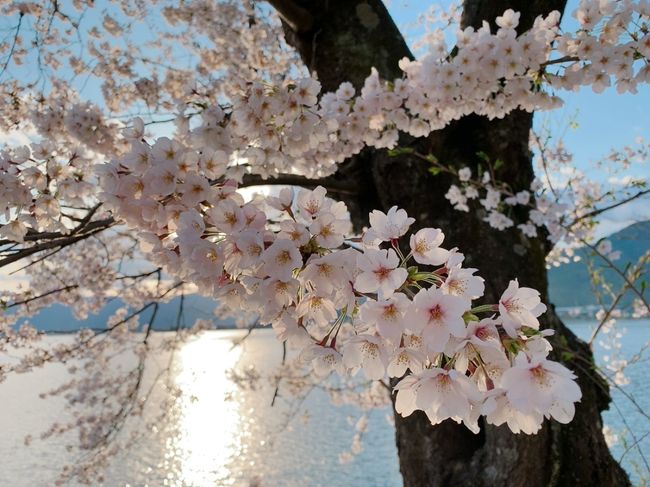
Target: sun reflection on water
210,424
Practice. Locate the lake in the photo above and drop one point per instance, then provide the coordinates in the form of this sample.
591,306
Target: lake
222,434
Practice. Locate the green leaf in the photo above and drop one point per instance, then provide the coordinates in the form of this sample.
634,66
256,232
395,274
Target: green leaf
435,170
566,356
483,156
400,151
431,158
467,316
497,164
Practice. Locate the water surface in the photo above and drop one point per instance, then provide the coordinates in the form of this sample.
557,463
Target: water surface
221,434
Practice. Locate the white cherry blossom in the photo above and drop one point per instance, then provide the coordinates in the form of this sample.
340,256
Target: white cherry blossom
425,246
520,307
379,272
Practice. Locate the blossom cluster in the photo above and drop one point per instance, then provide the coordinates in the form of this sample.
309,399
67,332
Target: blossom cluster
271,128
276,128
393,304
48,185
349,304
37,183
563,200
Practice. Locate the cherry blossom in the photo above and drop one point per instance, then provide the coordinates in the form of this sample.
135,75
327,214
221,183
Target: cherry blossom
541,386
437,316
520,306
379,272
245,113
425,246
386,227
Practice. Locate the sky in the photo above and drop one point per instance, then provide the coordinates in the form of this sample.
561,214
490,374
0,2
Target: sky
599,122
603,121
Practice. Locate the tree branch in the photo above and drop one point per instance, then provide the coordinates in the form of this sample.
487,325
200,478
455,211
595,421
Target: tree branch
34,298
598,211
13,45
331,183
92,228
296,17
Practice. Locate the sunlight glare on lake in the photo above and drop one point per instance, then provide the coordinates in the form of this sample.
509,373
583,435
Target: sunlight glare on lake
210,426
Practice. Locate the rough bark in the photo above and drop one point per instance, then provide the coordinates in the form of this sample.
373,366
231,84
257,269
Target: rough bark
346,38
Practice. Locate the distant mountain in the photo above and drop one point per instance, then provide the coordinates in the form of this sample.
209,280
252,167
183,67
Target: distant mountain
570,284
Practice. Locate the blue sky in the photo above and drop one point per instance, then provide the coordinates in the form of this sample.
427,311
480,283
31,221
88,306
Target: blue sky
603,121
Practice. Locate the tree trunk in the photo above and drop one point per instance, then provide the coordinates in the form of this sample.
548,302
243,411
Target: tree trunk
344,39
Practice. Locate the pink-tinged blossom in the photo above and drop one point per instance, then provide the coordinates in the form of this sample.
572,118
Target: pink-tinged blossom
481,343
455,258
317,308
14,230
279,293
282,201
190,224
509,19
446,394
306,91
379,273
253,217
136,131
227,216
294,231
281,259
437,316
386,227
138,160
498,220
246,251
462,282
213,163
520,307
386,315
186,224
324,360
499,410
166,150
195,189
425,247
328,230
538,345
465,174
528,229
286,328
324,274
492,199
541,386
206,259
367,352
405,395
404,359
310,203
457,198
